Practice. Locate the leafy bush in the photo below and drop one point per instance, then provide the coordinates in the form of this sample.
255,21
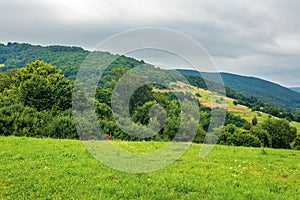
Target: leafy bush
244,139
296,143
232,135
280,132
263,136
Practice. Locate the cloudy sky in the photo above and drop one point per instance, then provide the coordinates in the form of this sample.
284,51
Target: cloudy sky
257,38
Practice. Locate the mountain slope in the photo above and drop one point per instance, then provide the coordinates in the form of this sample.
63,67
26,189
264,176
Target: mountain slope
263,90
295,89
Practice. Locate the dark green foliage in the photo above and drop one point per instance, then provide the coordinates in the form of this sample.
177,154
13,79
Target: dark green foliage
235,102
199,138
244,139
7,79
196,81
281,133
15,55
236,120
141,114
296,143
231,135
198,94
263,136
254,121
36,103
263,90
44,87
27,121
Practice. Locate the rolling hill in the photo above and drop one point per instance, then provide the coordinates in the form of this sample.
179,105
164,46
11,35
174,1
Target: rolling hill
263,90
17,55
68,59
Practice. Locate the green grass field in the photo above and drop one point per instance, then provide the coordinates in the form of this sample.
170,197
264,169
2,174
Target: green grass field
63,169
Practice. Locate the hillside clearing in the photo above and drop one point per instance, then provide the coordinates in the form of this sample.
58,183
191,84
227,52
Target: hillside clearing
226,103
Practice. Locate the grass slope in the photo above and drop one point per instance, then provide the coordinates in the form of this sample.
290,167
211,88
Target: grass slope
63,169
227,103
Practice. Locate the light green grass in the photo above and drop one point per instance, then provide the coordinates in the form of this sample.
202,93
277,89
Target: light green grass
297,125
2,65
63,169
248,115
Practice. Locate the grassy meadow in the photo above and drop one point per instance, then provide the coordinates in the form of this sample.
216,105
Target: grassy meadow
63,169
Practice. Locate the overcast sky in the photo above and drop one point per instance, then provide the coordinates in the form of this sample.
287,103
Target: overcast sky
258,38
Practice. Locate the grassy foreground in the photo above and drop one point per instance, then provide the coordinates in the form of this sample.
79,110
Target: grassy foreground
63,169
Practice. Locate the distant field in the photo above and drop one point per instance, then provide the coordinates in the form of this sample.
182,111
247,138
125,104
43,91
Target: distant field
2,65
63,169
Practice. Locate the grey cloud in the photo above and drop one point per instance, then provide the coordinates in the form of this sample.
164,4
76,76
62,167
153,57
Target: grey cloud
247,37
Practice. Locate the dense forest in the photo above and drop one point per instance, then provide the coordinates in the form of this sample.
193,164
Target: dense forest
36,101
16,55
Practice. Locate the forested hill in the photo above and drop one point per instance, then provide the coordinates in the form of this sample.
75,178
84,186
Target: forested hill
36,101
16,55
68,59
263,90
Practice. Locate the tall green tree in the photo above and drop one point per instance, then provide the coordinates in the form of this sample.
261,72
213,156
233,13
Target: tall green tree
254,121
43,86
280,131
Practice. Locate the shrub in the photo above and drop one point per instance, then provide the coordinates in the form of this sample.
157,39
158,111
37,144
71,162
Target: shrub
245,139
296,143
198,94
263,136
254,121
281,133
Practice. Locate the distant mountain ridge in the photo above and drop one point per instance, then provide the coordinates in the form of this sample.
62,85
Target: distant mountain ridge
263,90
295,89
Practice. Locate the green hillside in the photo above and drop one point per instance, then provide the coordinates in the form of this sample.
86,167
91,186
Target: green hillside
225,102
263,90
68,59
17,55
36,101
63,169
